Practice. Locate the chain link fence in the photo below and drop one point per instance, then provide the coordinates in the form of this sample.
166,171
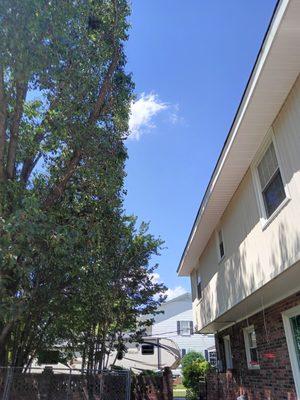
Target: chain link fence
63,384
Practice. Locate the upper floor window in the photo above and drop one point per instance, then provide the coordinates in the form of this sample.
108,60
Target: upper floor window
251,347
185,328
199,287
270,180
221,247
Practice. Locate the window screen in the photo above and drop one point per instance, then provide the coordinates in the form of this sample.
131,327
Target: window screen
199,287
221,245
271,183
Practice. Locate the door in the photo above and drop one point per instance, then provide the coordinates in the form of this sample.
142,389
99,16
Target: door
291,320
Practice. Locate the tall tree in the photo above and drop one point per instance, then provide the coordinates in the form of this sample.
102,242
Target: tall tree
64,105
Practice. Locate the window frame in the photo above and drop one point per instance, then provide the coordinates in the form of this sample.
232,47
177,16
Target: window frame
218,243
186,329
212,357
286,316
246,331
199,282
228,352
264,218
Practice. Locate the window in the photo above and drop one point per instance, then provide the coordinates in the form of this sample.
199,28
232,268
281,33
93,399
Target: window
270,180
184,328
147,349
251,348
183,352
212,358
199,288
221,245
228,354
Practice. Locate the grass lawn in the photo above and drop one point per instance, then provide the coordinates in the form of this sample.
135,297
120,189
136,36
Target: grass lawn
179,391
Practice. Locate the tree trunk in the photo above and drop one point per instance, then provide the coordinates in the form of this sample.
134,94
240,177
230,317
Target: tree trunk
21,91
3,122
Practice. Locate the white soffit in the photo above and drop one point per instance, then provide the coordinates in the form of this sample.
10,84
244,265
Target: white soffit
273,76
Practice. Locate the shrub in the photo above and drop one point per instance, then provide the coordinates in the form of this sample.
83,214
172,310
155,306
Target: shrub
195,372
190,357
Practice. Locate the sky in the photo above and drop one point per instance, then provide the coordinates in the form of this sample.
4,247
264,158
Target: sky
190,61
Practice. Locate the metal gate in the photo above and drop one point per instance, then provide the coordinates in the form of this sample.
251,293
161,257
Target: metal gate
63,384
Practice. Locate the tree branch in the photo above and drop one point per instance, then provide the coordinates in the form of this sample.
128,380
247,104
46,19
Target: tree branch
59,188
32,159
6,331
105,88
3,122
29,165
21,91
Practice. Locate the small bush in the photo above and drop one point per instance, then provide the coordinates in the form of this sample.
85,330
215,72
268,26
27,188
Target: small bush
190,357
194,373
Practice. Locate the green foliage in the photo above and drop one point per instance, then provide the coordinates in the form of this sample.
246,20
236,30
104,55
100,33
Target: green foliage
73,268
190,357
193,373
149,372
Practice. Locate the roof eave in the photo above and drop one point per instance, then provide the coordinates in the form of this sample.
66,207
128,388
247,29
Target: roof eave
264,59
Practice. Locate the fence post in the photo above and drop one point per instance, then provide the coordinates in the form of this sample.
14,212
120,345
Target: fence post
128,385
8,383
69,385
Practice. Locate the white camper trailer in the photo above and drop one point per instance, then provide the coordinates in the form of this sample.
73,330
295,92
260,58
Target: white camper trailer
154,353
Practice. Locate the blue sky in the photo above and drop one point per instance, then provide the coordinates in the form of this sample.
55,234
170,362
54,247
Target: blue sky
190,61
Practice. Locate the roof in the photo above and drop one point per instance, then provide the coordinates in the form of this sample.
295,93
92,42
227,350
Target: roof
274,73
184,296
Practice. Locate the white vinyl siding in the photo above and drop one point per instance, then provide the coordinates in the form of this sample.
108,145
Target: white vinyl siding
255,254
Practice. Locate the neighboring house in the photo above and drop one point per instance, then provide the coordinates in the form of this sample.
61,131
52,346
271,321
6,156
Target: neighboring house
176,323
243,253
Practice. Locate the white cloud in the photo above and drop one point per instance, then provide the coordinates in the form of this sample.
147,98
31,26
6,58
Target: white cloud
142,113
177,291
170,293
155,277
174,117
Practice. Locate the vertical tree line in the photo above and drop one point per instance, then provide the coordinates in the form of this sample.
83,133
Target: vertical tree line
74,269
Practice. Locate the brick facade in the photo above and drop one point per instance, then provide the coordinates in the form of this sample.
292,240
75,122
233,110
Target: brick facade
274,379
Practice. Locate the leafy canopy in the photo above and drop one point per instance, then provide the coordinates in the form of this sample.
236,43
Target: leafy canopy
73,267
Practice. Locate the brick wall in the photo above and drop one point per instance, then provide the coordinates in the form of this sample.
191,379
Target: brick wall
274,379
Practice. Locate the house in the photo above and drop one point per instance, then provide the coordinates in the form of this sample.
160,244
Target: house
167,340
176,323
243,252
